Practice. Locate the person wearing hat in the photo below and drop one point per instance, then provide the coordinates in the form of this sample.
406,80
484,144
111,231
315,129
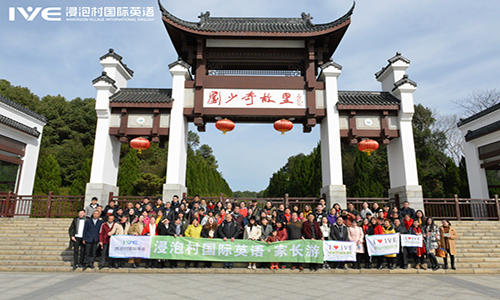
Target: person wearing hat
252,232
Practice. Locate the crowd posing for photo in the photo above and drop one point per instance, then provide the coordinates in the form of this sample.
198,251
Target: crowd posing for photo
91,231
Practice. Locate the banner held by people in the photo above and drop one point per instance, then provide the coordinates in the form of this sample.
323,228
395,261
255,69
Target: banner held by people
339,251
382,244
128,246
411,240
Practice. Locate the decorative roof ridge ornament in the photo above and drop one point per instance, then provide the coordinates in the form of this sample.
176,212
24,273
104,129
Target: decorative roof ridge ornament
307,18
104,77
204,18
402,81
22,108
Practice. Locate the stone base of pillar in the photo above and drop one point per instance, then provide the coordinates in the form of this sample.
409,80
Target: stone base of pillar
169,190
411,193
101,191
334,194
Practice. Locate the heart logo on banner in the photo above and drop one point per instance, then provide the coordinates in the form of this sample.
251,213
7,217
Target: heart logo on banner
336,247
380,241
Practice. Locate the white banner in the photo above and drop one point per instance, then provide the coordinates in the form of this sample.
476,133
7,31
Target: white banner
256,98
339,251
410,240
122,246
382,244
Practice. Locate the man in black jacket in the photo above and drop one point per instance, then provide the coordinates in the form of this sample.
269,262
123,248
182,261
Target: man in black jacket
319,213
402,258
338,232
76,235
91,239
229,229
164,228
407,210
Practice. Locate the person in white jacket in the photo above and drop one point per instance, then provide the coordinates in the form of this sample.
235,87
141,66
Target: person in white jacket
252,232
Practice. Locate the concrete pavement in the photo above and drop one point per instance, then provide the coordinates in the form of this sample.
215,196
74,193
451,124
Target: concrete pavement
246,286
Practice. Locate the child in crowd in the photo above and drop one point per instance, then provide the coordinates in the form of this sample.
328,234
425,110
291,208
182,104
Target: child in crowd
272,239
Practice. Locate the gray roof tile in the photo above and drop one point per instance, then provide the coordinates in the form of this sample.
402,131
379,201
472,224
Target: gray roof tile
292,25
114,55
104,77
402,81
19,126
23,109
179,61
392,60
367,98
330,63
141,95
479,114
474,134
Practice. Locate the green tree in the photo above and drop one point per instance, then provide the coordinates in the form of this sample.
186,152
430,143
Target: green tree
48,177
365,182
207,153
82,178
451,179
464,186
128,173
148,184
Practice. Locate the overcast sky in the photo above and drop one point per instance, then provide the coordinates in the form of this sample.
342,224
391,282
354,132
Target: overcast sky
453,46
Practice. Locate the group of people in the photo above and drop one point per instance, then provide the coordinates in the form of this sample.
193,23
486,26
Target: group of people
91,230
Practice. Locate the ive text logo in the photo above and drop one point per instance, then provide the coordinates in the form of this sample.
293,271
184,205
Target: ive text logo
30,13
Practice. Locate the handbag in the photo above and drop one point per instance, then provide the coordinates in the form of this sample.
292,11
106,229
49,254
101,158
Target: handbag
440,252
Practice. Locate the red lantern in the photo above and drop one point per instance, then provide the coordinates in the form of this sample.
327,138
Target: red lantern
225,125
283,126
368,146
140,144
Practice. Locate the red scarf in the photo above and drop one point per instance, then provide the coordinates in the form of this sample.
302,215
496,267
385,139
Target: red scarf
220,219
420,250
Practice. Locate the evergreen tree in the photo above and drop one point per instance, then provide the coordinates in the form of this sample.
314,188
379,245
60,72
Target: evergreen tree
128,173
464,186
48,176
147,184
82,178
365,182
451,179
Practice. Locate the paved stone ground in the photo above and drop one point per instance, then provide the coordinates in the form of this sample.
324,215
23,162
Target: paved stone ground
246,286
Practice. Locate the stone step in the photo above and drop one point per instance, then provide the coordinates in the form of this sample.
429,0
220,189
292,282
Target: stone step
32,235
477,259
41,243
38,239
30,246
41,257
468,254
44,252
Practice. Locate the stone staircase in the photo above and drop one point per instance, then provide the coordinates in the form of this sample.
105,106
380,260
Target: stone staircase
32,245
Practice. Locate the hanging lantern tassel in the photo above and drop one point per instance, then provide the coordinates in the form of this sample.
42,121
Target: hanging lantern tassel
140,144
283,126
225,125
368,146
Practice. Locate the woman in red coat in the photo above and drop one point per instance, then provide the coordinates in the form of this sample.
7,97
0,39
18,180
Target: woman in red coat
375,229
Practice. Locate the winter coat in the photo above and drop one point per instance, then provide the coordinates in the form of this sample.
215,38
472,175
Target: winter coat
119,230
192,231
150,229
433,236
318,216
89,210
325,230
307,230
91,231
282,234
136,229
451,240
229,230
163,230
103,232
252,232
205,233
363,212
332,219
267,231
356,235
335,233
410,211
389,230
416,250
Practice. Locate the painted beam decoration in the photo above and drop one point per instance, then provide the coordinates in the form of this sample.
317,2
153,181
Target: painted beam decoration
256,98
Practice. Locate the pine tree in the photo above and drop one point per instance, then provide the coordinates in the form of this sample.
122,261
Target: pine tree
48,176
464,186
82,178
365,182
128,173
451,179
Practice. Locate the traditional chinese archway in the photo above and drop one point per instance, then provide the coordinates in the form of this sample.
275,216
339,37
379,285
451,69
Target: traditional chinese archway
256,70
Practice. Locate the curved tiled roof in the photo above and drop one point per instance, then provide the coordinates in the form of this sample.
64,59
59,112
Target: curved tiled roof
474,134
479,114
267,25
141,95
392,60
19,126
104,77
367,98
404,80
22,109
